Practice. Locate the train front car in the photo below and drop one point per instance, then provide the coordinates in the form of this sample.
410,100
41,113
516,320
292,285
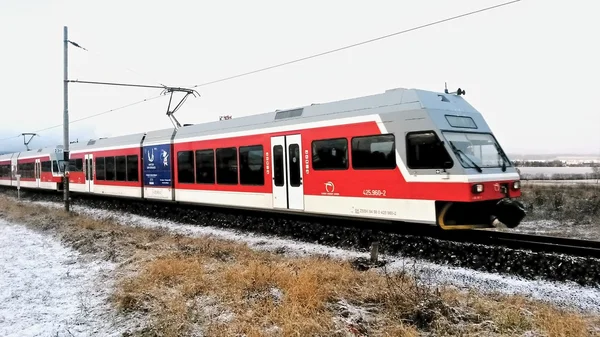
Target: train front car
452,157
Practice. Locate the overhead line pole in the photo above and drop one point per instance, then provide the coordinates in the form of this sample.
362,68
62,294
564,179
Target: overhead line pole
66,120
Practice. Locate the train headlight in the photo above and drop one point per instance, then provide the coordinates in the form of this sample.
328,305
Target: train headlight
477,188
516,185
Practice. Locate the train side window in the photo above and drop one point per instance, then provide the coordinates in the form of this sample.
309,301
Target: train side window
121,168
100,169
185,167
75,165
205,167
55,167
227,166
330,154
5,171
374,152
109,164
132,168
424,150
252,168
278,170
46,166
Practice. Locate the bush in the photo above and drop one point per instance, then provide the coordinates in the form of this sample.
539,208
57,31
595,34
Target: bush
578,203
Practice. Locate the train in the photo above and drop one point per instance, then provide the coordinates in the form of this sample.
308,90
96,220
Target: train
401,156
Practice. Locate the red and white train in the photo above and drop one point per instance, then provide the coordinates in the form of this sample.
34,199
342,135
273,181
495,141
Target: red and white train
406,155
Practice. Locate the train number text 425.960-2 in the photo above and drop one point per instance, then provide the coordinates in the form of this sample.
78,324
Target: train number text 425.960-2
375,193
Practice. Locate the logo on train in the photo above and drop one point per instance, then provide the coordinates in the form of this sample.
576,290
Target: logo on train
497,187
165,157
329,187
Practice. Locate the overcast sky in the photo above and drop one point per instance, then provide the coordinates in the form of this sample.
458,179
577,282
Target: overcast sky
532,68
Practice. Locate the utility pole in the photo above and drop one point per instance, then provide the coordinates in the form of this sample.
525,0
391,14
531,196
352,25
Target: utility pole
66,120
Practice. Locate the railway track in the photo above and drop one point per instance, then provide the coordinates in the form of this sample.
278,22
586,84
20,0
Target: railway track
533,242
524,255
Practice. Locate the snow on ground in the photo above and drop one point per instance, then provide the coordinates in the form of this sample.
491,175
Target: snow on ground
560,293
557,228
47,289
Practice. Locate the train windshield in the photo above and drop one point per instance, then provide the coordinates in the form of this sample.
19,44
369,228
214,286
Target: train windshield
477,150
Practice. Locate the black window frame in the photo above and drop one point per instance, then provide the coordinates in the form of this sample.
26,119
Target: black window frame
248,176
200,168
121,168
132,171
312,147
107,160
442,164
359,156
278,165
186,172
100,172
227,174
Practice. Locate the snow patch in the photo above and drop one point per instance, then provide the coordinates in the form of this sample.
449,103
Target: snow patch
47,289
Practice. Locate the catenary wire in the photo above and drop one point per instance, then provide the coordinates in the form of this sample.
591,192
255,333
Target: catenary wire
359,43
301,59
90,116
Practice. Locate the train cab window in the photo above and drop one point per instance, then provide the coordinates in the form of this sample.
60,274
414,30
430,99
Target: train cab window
46,166
109,165
100,169
121,168
227,166
132,168
424,150
278,170
205,167
185,167
374,152
252,167
330,154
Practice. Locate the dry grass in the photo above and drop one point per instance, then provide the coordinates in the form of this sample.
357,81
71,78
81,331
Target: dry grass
224,288
576,203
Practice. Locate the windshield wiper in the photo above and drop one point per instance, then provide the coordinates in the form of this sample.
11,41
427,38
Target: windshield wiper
501,155
458,152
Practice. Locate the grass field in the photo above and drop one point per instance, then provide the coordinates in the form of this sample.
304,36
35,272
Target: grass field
189,286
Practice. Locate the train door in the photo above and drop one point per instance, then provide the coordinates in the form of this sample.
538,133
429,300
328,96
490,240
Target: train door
288,191
37,168
89,172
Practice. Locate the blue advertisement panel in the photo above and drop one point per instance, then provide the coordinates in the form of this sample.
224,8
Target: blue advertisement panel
157,165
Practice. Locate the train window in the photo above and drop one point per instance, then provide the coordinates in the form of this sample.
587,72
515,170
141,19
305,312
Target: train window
132,168
252,167
55,166
205,167
461,122
100,172
121,168
330,154
295,160
5,171
424,150
46,166
26,170
374,152
75,165
278,170
109,165
227,166
185,167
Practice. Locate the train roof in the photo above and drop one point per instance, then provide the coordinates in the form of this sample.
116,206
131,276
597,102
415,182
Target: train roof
392,100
